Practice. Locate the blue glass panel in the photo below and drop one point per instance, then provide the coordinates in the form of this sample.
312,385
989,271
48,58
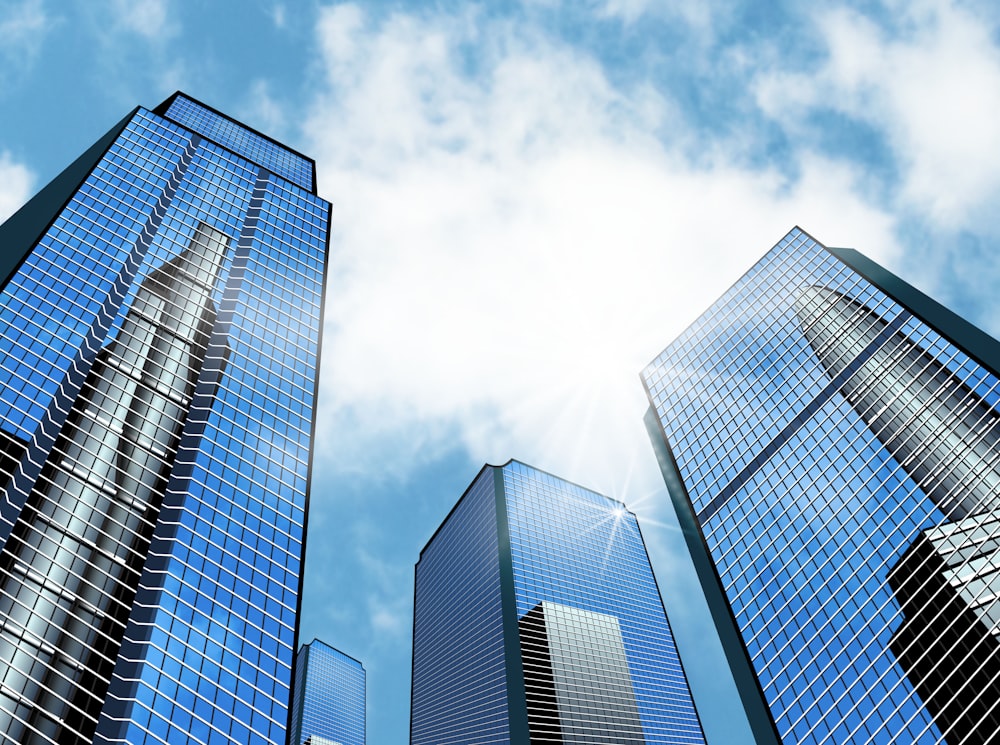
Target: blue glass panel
329,696
244,142
575,549
841,457
459,674
178,292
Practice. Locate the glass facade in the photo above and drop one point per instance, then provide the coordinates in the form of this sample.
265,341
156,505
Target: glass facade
829,438
537,618
328,699
158,368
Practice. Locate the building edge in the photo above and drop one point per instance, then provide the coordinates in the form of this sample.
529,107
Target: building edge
758,714
666,616
517,701
296,643
300,704
164,107
413,658
26,226
972,340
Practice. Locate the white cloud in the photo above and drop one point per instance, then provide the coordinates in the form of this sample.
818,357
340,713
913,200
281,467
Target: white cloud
152,19
23,27
140,48
930,84
16,183
279,16
512,244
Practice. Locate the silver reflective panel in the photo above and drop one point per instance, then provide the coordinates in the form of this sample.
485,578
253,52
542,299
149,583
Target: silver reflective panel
70,569
941,432
576,677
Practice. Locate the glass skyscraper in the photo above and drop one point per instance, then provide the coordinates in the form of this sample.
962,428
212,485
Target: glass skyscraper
161,308
328,698
829,437
537,618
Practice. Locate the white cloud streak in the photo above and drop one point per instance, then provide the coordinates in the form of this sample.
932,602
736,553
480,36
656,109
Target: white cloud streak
264,110
512,243
279,16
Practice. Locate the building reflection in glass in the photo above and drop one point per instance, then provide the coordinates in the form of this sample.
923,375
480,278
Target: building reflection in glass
941,432
829,437
576,677
944,436
70,569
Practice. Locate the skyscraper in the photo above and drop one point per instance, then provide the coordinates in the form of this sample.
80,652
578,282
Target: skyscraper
537,617
161,306
829,438
328,698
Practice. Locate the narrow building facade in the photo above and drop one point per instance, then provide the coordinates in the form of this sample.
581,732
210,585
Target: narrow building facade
328,699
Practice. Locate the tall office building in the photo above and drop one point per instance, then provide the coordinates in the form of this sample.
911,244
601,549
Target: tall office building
161,305
829,439
537,618
328,698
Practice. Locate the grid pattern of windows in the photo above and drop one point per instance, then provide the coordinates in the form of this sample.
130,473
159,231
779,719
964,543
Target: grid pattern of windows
536,609
459,690
218,640
580,568
328,701
68,571
180,291
821,430
239,139
54,309
577,683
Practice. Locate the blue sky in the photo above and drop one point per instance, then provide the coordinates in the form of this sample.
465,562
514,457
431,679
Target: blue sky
530,200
